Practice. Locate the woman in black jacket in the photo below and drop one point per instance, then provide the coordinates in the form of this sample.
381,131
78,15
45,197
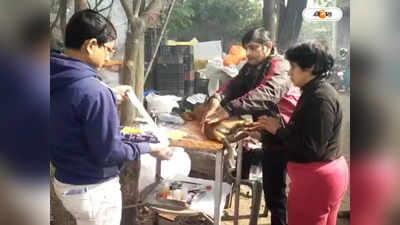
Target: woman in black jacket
317,169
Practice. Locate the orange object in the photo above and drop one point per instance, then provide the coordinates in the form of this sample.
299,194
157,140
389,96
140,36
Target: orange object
113,63
322,14
165,192
236,54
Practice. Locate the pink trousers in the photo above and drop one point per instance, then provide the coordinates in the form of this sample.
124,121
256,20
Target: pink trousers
316,191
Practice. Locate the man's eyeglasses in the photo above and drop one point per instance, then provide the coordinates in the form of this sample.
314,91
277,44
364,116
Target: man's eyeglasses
110,51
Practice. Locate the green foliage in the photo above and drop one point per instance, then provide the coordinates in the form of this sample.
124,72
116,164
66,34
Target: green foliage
181,18
214,19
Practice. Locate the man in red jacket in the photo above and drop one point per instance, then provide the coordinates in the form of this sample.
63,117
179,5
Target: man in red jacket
261,88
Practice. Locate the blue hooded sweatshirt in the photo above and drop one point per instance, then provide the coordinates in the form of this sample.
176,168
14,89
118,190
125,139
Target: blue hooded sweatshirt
85,140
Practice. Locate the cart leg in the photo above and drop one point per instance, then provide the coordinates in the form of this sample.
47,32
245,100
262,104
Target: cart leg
237,184
218,186
158,170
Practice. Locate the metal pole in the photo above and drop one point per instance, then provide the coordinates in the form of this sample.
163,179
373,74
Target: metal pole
219,165
237,184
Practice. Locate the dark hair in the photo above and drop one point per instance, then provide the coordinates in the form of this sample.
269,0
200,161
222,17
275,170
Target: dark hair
259,35
88,24
310,54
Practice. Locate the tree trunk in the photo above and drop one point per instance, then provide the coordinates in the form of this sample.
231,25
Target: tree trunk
63,16
80,5
132,74
270,17
129,179
133,69
139,86
290,21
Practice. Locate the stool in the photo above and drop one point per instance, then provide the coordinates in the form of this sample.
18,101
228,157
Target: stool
256,194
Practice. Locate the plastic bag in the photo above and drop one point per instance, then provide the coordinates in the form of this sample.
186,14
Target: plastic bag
161,103
207,50
180,164
169,118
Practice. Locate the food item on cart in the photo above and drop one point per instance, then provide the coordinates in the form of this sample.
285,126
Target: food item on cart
188,116
199,110
139,138
130,130
226,131
136,135
176,134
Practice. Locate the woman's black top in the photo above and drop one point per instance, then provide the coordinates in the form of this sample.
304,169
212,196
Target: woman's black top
313,133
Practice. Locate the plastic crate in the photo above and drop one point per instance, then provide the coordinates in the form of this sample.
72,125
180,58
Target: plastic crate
176,54
175,50
170,69
170,79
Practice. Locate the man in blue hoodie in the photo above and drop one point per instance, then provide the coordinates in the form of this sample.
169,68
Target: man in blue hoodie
86,146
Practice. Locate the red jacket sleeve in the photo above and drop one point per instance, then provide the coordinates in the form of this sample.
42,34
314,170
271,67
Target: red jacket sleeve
267,94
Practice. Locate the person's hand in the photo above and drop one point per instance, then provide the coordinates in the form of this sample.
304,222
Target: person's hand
161,151
255,135
211,109
251,144
219,114
270,124
121,92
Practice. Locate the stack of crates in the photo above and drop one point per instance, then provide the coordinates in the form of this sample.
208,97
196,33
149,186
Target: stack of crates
174,71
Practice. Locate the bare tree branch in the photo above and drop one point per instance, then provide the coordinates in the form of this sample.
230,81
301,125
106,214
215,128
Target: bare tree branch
107,7
56,19
142,6
88,3
152,11
98,3
155,5
111,9
127,9
53,4
63,16
137,8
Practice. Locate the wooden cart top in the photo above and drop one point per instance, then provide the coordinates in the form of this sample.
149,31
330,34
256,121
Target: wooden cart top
195,139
